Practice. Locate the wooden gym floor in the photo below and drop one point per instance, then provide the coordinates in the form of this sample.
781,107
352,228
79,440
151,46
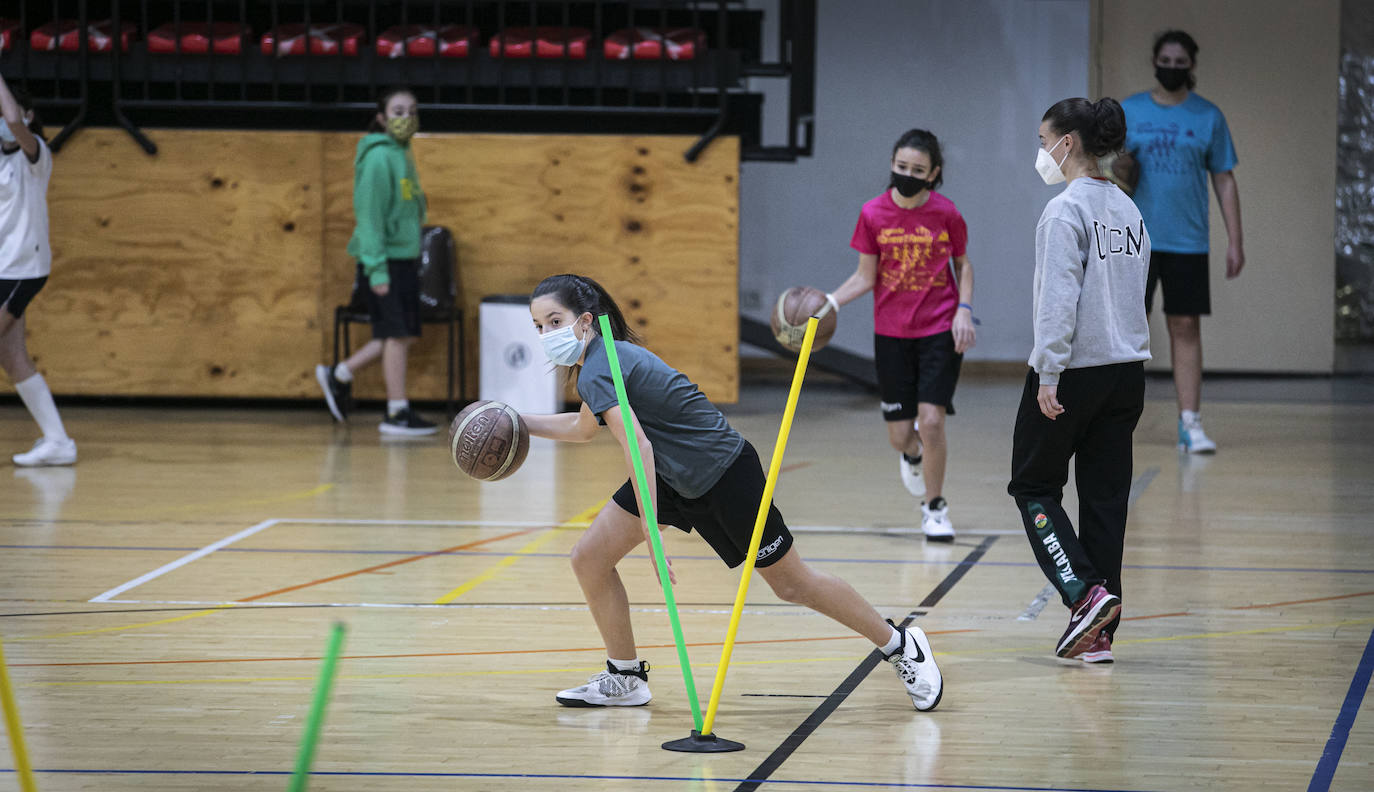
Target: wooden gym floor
164,606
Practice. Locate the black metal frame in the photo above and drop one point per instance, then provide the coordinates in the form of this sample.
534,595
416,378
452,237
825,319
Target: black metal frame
705,94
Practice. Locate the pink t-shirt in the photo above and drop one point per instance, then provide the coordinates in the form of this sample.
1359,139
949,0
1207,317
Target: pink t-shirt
914,295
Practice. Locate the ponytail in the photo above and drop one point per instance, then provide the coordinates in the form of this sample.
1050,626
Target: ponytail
1100,125
581,295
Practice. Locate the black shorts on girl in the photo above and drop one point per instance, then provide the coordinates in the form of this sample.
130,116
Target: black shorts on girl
725,515
16,294
397,313
915,370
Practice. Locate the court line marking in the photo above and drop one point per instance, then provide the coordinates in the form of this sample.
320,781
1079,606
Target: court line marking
121,627
784,751
566,776
1038,603
490,572
183,561
1345,719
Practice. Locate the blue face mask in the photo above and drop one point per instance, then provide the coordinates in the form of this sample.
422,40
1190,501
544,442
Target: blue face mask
562,346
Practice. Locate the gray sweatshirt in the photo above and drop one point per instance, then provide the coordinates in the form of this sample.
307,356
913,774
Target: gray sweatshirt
1091,258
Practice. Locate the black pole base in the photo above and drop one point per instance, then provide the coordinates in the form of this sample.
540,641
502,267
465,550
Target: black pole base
698,743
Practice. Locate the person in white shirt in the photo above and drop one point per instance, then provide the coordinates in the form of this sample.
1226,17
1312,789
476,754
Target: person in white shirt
1086,386
25,261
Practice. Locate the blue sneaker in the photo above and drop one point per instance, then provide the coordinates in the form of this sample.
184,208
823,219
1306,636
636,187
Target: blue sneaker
1191,438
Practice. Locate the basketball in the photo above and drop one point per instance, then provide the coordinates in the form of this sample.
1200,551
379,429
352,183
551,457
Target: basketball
794,307
488,440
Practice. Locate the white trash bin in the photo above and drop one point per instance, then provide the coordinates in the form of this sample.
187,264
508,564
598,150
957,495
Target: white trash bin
513,368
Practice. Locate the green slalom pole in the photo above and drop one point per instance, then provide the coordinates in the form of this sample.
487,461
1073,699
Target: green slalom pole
315,720
646,496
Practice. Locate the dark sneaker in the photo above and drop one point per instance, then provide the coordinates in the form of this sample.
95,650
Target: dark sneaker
1100,651
610,688
915,665
1086,620
407,422
337,393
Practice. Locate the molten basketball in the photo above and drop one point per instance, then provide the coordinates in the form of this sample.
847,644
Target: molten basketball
794,307
488,440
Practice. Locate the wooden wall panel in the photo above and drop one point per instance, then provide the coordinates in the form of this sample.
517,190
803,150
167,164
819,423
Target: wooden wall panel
213,268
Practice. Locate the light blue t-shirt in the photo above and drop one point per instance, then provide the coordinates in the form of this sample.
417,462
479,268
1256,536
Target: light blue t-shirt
1177,147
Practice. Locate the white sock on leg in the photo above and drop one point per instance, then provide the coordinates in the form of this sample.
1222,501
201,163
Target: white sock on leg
343,373
625,665
36,396
894,643
394,406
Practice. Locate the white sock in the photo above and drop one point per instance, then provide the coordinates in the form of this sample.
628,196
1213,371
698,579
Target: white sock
394,406
36,396
894,643
625,665
1190,417
342,373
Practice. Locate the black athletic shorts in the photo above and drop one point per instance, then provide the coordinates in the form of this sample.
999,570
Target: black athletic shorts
397,315
1184,275
914,370
15,294
725,515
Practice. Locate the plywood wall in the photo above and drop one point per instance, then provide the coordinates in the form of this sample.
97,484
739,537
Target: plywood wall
213,268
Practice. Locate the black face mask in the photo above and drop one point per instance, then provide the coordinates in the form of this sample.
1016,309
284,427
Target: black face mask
909,186
1171,79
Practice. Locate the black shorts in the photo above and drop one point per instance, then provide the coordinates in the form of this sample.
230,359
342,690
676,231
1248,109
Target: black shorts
1184,275
915,370
725,515
396,315
16,294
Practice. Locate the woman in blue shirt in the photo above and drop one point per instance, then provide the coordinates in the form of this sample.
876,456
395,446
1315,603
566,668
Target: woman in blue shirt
1174,140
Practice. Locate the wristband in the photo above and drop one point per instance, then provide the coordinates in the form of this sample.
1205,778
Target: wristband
965,305
834,304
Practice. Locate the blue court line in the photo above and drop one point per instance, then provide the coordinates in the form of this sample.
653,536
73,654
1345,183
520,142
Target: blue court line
813,559
1331,756
572,777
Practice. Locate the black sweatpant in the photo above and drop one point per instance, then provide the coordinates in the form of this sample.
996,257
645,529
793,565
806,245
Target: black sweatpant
1101,407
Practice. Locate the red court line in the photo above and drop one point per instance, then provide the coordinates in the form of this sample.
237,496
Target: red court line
437,654
797,466
1304,601
1155,616
388,564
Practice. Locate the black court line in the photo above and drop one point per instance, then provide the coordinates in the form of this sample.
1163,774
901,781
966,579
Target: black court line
835,699
784,695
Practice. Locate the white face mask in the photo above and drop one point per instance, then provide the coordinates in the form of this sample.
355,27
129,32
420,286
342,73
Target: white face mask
6,136
1045,165
562,346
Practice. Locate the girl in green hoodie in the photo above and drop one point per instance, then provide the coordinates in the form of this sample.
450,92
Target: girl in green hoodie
389,207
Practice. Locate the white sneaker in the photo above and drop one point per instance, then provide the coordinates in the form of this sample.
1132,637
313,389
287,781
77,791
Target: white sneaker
48,452
935,522
611,688
915,664
912,479
1192,439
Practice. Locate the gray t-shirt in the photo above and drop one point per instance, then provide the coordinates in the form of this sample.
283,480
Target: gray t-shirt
1091,257
693,443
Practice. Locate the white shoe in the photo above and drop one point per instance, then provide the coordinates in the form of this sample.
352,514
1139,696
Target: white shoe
48,452
915,664
1192,439
912,479
611,688
935,522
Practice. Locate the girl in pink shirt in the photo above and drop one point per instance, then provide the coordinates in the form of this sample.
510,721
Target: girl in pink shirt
912,254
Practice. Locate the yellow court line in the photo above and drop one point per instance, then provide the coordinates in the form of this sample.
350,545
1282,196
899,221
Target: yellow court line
580,520
183,617
365,677
239,503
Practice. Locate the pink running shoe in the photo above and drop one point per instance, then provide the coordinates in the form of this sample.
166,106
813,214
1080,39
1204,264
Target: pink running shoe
1086,620
1100,651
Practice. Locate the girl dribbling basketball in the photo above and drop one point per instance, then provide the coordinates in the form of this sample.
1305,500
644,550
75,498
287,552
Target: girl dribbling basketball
707,478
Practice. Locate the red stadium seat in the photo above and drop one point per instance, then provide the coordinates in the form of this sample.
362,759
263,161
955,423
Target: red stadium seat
333,38
541,42
65,35
455,41
648,43
9,31
195,38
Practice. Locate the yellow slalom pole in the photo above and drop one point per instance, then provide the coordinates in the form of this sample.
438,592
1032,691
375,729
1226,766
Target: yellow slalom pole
12,725
774,467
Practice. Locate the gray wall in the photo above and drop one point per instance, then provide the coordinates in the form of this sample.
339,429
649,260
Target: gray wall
977,73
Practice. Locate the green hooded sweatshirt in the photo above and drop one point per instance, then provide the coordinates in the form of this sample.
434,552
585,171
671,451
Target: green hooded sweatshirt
388,204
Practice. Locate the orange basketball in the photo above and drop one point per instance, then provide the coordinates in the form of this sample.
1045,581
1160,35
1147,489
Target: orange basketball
488,440
794,307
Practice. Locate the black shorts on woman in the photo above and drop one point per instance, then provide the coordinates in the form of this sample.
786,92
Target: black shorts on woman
395,314
15,295
916,370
